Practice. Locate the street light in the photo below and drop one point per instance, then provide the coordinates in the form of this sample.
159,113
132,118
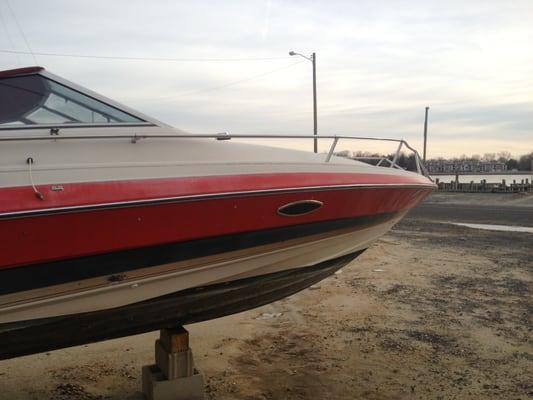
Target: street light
425,132
312,58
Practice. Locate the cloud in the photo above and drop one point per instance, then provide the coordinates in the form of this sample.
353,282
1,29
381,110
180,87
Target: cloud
379,64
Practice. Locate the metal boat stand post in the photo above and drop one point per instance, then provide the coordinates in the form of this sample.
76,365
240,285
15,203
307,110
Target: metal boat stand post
173,376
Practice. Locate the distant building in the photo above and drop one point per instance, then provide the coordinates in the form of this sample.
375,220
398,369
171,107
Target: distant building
464,166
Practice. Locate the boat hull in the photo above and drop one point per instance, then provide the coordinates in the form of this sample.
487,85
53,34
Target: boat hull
67,287
101,245
179,308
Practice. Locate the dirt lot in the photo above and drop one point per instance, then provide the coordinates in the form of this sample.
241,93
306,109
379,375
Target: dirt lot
432,311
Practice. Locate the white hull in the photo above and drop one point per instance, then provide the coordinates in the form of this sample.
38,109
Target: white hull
136,290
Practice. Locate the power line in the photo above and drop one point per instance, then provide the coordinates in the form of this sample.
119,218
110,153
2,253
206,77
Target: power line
209,89
21,31
8,35
141,58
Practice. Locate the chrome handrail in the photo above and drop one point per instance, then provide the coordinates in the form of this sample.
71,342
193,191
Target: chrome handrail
134,138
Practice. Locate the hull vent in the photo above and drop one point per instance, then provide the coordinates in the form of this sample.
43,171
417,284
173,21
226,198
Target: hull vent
301,207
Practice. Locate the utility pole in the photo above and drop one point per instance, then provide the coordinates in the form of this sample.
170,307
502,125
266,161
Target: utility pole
312,58
425,132
315,125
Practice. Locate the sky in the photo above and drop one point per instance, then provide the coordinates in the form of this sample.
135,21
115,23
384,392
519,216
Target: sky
379,64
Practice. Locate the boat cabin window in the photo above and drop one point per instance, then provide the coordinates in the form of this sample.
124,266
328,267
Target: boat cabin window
36,100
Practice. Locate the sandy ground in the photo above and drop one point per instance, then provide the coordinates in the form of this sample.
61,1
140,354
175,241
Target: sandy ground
431,311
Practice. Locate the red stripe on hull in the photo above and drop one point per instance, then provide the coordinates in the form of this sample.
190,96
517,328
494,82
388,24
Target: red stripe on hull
16,199
32,239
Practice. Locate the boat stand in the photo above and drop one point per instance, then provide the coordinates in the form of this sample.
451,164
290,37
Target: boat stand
173,376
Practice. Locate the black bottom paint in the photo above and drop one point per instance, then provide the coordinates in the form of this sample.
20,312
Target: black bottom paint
184,307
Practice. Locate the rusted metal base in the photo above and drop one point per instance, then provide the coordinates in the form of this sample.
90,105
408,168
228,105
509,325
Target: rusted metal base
173,376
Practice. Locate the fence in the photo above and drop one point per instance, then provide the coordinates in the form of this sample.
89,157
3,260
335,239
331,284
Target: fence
515,187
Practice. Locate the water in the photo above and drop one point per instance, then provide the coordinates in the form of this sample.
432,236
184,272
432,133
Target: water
489,178
501,228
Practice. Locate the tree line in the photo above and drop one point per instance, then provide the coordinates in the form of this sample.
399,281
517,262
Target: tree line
521,163
405,161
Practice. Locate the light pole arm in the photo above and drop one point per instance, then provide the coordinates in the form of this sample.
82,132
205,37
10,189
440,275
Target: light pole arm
293,53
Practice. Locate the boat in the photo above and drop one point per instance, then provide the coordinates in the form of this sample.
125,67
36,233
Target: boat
113,223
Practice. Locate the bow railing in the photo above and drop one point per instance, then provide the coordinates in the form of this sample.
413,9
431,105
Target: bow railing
384,162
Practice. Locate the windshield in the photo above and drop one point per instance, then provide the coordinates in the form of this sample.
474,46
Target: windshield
34,99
